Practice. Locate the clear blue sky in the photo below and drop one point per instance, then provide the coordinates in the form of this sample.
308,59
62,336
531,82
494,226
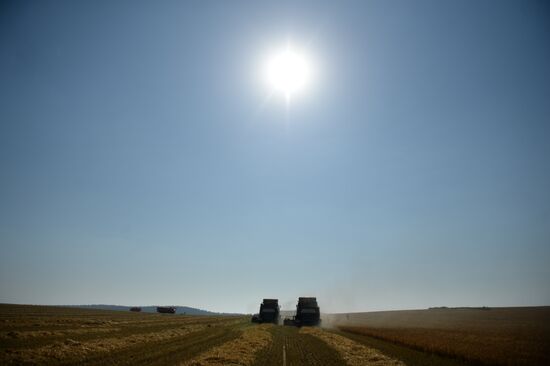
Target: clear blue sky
140,162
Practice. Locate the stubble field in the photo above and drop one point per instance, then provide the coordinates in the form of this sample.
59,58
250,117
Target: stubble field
43,335
40,335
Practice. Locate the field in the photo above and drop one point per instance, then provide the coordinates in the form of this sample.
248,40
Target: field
50,335
67,336
32,335
496,336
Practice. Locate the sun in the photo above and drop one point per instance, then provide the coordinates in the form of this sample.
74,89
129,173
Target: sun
288,71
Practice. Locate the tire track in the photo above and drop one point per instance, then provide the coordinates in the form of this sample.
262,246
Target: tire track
290,348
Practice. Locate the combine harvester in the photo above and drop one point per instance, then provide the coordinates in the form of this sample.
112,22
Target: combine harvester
166,309
307,313
269,312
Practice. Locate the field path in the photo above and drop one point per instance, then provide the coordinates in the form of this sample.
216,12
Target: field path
292,348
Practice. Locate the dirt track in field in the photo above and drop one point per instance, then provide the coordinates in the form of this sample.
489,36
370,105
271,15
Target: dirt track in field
290,347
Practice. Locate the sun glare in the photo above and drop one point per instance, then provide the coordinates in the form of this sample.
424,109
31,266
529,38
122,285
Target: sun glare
288,71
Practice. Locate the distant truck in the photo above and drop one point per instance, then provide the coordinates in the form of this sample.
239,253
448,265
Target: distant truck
166,309
136,309
307,313
269,312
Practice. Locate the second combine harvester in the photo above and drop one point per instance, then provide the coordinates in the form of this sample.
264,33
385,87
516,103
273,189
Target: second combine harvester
307,313
269,312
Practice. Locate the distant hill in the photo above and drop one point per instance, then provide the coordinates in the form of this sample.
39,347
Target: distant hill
149,309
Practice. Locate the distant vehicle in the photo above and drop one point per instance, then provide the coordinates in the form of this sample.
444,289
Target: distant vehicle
136,309
166,309
307,313
269,312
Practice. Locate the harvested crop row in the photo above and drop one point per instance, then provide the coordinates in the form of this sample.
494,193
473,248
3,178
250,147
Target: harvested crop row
80,350
240,351
29,334
355,354
86,331
147,320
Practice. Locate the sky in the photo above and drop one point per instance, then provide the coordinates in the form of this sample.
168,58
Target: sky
144,161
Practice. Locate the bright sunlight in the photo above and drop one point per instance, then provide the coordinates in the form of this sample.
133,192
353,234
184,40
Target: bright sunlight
288,71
